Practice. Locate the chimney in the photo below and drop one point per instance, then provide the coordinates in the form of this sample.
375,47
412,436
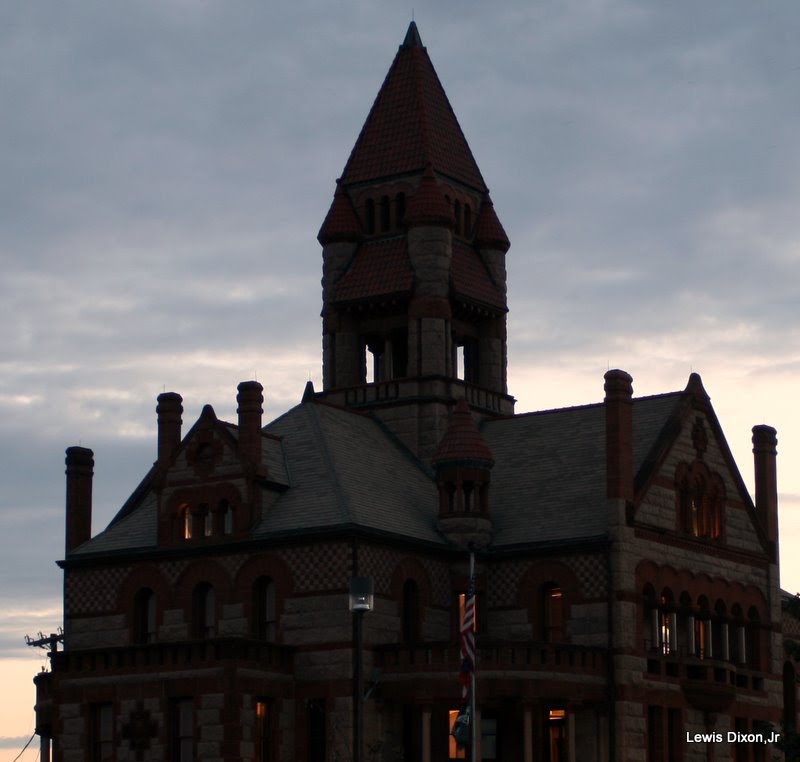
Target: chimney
250,398
619,435
765,442
80,467
169,410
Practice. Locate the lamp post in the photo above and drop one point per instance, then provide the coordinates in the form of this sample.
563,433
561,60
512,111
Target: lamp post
361,597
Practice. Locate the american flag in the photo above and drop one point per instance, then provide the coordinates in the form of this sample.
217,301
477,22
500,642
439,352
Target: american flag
467,640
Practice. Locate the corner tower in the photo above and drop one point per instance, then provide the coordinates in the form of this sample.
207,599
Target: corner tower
414,279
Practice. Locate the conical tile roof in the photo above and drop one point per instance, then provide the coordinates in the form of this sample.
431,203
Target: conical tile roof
411,124
462,441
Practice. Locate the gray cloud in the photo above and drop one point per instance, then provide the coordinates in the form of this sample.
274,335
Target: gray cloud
166,169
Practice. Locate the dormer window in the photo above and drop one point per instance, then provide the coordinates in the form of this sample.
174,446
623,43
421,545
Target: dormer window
386,221
701,496
369,212
399,210
188,521
226,509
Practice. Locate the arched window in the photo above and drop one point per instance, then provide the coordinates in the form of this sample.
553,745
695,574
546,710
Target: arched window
701,500
208,520
386,222
410,612
226,512
738,636
686,631
719,632
467,492
667,623
188,521
702,629
265,620
399,209
552,613
204,612
144,616
467,220
457,215
369,212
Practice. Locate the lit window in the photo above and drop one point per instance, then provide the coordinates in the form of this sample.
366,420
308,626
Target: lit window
552,613
188,521
262,731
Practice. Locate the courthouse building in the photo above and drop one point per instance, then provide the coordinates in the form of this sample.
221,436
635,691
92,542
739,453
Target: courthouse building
627,582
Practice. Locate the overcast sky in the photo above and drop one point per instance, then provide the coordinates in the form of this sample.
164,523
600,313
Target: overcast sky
165,166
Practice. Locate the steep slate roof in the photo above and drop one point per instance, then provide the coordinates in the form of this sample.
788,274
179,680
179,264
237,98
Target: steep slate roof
379,268
345,469
411,123
549,479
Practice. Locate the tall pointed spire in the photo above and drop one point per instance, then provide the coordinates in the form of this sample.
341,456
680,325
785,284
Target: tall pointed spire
414,279
413,119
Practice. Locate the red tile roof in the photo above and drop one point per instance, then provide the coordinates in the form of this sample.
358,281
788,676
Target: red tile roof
379,268
470,278
462,440
428,205
341,223
411,124
488,230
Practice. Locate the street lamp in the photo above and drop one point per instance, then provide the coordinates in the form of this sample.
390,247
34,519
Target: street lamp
361,597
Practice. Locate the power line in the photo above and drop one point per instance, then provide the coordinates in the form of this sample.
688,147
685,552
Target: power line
25,747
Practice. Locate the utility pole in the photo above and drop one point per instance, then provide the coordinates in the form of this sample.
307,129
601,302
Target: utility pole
44,729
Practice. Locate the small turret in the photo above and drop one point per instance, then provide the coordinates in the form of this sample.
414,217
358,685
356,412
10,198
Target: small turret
463,463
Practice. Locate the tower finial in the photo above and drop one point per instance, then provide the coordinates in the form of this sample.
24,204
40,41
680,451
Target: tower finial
412,39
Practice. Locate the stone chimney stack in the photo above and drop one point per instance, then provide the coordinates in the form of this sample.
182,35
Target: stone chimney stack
169,410
619,435
80,469
250,399
765,442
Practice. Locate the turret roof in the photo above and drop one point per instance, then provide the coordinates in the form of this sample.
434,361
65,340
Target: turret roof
411,124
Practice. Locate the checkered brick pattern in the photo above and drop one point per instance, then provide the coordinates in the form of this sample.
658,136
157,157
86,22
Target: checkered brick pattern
439,573
503,583
380,563
232,564
93,591
321,567
591,573
172,570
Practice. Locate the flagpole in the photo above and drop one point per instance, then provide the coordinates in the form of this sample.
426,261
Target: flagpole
473,681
